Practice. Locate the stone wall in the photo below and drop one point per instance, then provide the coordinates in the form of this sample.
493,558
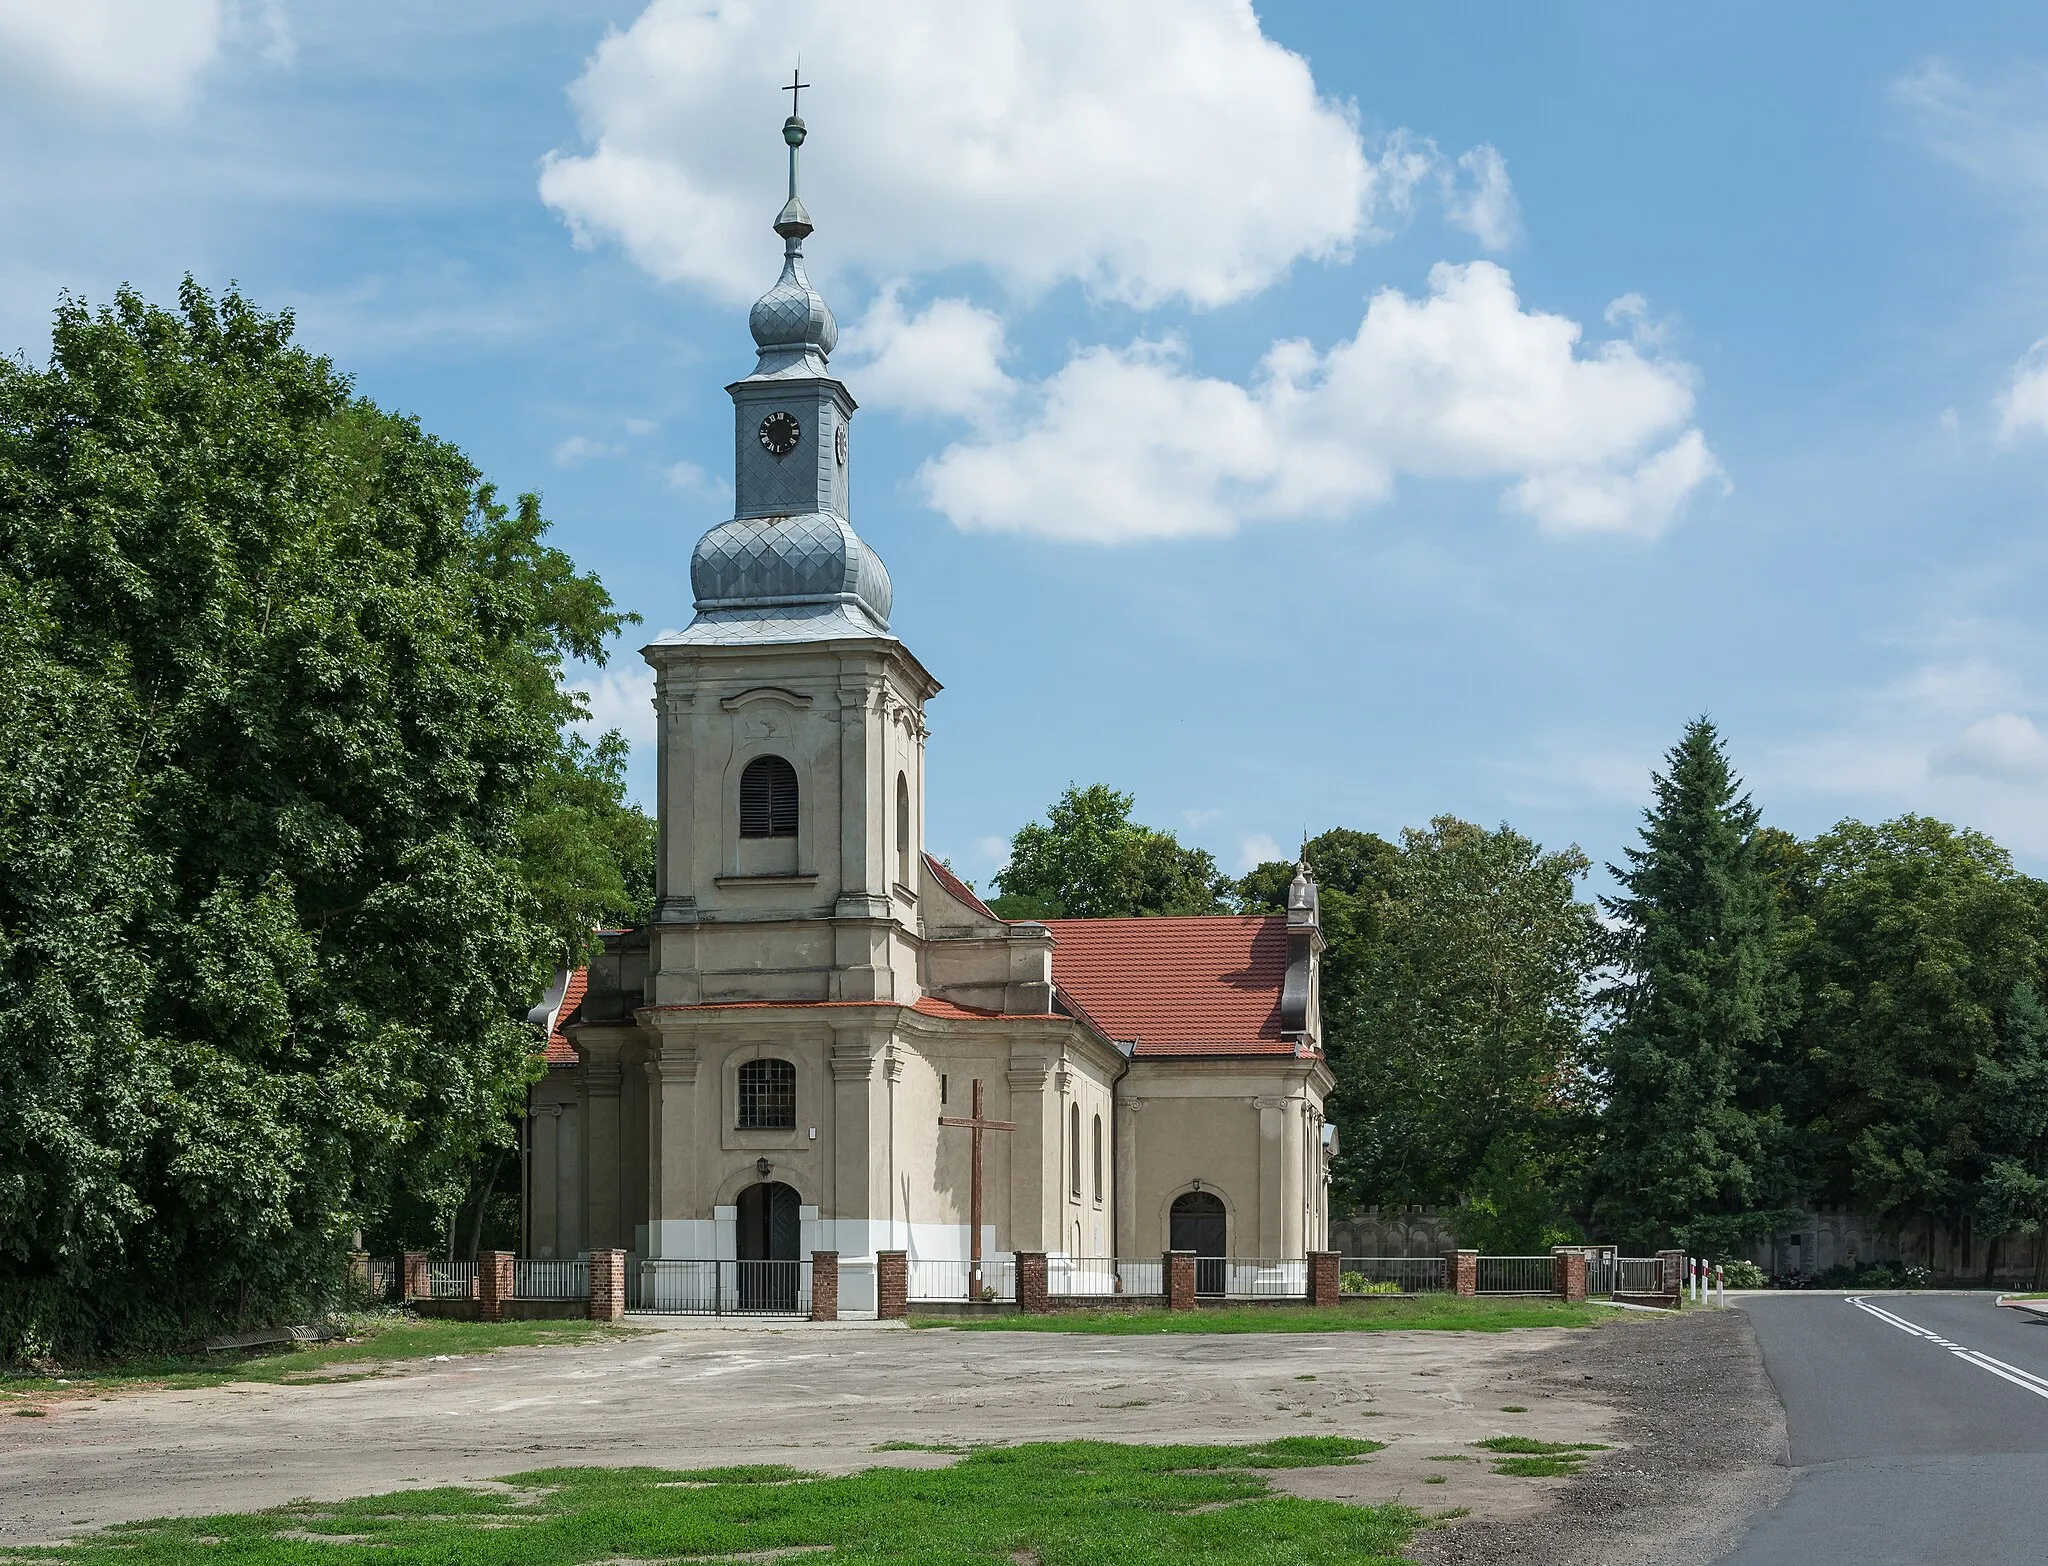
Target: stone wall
1825,1237
1392,1231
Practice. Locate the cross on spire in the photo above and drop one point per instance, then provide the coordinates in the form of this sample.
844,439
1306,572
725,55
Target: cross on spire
795,87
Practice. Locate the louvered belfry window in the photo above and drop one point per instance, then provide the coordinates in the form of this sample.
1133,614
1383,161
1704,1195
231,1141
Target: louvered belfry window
767,1096
768,798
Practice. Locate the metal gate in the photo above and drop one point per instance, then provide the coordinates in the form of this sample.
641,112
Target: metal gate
719,1288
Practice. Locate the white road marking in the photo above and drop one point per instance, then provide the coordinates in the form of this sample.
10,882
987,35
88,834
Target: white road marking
2025,1380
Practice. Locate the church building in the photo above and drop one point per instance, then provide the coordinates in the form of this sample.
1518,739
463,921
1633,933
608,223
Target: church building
768,1067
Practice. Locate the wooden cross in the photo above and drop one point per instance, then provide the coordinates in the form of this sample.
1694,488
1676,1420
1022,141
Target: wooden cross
977,1124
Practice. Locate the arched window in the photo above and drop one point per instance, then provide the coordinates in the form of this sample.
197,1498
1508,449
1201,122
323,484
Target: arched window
1098,1158
902,830
767,1096
768,798
1074,1145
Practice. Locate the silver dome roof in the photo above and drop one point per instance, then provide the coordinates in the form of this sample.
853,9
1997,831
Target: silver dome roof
763,562
792,317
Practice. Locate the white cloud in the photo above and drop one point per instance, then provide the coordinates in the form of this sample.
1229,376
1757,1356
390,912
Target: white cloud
946,359
1486,208
2005,746
640,426
1256,850
578,449
1125,444
693,480
993,851
620,696
145,54
2023,406
1152,149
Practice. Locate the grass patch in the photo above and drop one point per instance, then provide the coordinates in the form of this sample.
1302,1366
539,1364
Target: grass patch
1408,1313
1057,1502
1531,1459
1529,1446
1539,1467
384,1335
1513,1408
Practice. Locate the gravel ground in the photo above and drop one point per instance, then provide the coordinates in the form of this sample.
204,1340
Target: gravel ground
1704,1447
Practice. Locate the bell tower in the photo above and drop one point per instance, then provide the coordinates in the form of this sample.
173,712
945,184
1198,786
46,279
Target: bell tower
791,721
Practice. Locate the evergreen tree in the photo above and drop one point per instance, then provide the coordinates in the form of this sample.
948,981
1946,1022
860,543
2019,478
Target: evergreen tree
1694,1148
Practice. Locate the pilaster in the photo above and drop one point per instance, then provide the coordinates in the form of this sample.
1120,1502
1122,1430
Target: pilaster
1029,1198
1272,1174
602,1076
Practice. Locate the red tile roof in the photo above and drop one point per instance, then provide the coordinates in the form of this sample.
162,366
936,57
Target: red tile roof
1197,986
957,887
560,1051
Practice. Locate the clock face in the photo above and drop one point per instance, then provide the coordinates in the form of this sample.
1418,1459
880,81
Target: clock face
839,444
780,433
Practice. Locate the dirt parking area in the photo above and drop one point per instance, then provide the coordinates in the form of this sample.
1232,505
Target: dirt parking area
823,1399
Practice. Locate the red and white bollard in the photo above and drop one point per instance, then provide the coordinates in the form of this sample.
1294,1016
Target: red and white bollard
1720,1285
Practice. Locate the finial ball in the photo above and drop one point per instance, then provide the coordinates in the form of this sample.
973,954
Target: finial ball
793,131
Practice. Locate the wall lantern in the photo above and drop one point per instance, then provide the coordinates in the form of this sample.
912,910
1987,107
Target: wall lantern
763,1167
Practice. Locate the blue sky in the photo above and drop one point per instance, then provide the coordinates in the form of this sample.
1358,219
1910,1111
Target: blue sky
1328,416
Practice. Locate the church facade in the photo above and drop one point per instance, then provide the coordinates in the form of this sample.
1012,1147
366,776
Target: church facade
764,1069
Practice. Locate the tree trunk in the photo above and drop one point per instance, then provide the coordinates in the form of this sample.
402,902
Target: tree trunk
483,1202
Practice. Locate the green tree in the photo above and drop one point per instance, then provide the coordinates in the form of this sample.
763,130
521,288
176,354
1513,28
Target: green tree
1470,1025
2013,1088
1917,934
1089,860
1453,983
1693,1146
283,684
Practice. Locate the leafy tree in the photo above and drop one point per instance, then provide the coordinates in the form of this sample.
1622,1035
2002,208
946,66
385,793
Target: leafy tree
1470,1020
585,850
1089,860
1453,979
2014,1092
1918,933
284,766
1693,1148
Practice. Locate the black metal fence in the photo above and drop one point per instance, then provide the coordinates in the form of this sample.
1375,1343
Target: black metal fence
719,1288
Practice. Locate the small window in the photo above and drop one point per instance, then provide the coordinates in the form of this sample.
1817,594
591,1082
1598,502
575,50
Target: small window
768,798
942,1087
1074,1146
767,1096
902,830
1098,1158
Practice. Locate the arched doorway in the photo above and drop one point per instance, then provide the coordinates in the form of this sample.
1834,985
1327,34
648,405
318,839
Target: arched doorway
770,1247
1197,1224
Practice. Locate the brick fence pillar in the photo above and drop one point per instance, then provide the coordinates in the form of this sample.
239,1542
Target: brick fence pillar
824,1285
358,1275
412,1276
1568,1275
1179,1272
1324,1277
494,1284
892,1285
1033,1293
1461,1273
1672,1272
607,1285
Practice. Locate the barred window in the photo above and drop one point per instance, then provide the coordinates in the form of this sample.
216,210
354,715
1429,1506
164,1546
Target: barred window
767,1096
768,798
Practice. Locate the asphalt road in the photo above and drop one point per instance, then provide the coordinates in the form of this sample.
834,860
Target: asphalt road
1918,1426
